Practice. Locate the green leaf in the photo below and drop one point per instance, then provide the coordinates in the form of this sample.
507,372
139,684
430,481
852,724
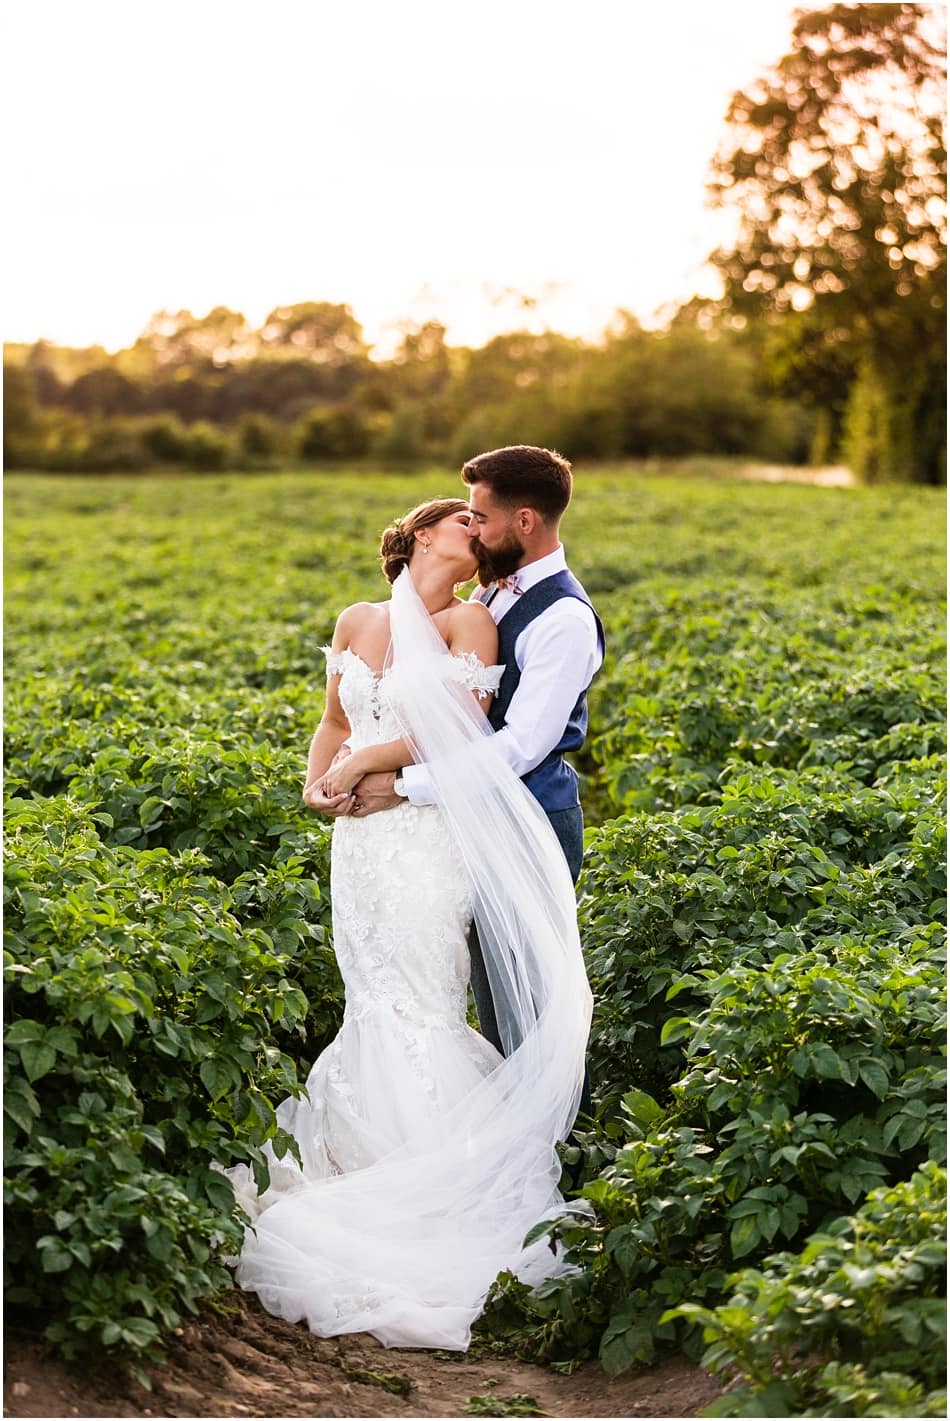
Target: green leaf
642,1107
825,1061
150,810
38,1059
21,1104
623,1349
56,1260
20,1032
217,1077
744,1236
875,1077
63,1039
675,1029
159,1244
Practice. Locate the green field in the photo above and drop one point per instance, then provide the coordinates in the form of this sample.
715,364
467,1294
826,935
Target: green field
762,908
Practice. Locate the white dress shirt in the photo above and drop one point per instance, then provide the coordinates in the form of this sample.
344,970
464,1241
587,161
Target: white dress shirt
557,654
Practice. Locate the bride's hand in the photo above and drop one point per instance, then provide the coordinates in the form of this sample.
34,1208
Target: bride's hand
336,805
343,775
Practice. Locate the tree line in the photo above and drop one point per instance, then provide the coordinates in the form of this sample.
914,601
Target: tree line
827,343
187,398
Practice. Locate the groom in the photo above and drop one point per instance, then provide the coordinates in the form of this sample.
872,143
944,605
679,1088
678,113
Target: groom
550,641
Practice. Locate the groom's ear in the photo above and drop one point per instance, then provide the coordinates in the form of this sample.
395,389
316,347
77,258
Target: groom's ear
526,520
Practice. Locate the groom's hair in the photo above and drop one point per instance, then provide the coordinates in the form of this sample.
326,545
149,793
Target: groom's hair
524,477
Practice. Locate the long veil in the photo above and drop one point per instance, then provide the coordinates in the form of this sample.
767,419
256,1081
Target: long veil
408,1248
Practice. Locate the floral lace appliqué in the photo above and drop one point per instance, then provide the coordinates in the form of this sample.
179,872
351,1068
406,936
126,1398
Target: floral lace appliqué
464,667
474,674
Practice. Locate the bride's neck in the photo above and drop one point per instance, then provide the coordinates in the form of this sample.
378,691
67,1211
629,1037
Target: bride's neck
435,586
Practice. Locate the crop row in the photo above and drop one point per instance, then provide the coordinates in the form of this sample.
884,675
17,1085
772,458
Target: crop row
762,909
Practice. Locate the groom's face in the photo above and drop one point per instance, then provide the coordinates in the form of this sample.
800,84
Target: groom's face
495,540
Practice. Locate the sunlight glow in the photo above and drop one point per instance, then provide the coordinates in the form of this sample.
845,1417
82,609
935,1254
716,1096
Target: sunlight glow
389,157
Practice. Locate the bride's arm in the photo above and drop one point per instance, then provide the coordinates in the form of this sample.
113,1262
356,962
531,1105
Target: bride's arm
331,732
391,755
471,630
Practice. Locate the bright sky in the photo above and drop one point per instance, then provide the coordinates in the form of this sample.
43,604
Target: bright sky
413,158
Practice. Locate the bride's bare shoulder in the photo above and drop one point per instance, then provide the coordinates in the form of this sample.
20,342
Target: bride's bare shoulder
472,628
471,614
360,616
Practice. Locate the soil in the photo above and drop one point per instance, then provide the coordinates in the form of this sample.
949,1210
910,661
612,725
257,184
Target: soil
829,476
246,1363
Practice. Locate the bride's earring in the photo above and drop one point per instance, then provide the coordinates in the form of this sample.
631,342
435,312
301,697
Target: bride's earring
425,547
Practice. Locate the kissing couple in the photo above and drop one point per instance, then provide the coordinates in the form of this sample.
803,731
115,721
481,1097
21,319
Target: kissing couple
428,1149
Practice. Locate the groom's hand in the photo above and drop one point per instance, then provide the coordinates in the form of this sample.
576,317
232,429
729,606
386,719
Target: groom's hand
375,792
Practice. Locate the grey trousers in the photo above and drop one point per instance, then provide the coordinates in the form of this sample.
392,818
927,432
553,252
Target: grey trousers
568,825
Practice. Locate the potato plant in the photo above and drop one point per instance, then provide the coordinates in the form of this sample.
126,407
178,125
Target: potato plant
762,909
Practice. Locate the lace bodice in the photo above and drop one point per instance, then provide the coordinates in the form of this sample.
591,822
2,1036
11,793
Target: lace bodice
367,697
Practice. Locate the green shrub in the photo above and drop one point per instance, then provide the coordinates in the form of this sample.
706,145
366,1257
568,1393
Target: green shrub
402,439
258,436
165,439
112,445
854,1325
761,910
332,432
769,976
146,1042
207,447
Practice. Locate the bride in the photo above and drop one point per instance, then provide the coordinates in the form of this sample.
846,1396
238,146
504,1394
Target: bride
426,1156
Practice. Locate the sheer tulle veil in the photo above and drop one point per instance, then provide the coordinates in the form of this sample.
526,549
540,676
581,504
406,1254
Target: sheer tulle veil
408,1248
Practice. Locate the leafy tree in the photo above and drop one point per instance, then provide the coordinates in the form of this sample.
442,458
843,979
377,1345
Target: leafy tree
284,389
328,333
835,164
421,365
41,363
180,339
324,334
683,391
102,392
516,362
20,415
189,396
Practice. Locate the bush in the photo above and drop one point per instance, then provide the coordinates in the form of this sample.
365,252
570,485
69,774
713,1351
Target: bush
762,909
259,437
207,447
768,974
166,439
403,438
332,432
113,446
784,866
853,1325
144,1048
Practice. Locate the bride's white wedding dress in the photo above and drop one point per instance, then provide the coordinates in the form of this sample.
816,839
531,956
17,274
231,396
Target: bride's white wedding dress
426,1156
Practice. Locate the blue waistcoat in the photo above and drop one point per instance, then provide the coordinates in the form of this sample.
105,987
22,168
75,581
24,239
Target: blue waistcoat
553,782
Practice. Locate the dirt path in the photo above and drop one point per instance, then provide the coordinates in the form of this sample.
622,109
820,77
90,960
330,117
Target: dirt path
249,1364
829,476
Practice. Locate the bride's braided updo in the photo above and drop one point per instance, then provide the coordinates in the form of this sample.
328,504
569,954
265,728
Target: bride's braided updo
398,540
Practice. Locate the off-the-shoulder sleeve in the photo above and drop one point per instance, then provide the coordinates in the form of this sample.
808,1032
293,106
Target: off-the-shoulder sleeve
336,660
475,675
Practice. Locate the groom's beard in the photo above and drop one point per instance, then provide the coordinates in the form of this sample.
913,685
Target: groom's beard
501,561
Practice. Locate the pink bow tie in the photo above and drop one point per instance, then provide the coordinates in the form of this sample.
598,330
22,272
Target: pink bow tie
511,584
